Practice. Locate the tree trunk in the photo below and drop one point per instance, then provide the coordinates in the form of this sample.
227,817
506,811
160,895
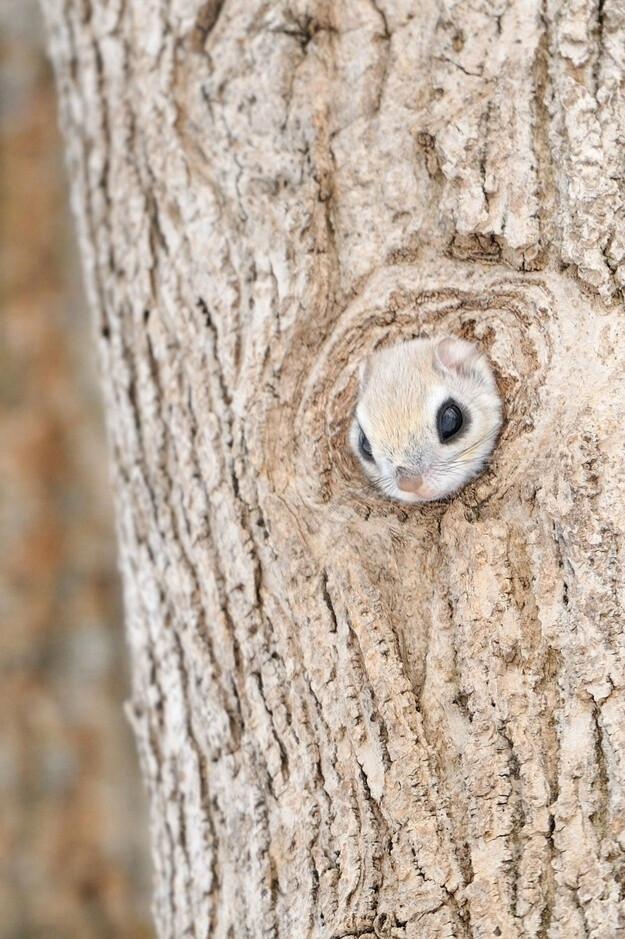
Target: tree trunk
358,718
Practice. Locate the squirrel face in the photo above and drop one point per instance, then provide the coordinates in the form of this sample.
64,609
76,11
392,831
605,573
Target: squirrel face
427,418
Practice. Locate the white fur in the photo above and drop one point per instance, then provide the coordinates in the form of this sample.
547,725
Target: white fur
402,389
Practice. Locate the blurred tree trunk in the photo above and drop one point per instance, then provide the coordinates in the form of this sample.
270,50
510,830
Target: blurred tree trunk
74,860
357,719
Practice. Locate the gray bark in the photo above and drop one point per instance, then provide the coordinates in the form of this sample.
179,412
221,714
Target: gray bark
354,718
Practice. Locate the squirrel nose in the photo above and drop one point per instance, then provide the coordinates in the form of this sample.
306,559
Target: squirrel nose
409,483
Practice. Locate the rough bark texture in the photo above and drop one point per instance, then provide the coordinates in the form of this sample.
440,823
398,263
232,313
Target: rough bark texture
357,719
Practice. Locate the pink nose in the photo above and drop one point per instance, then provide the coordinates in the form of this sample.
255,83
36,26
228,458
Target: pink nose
410,484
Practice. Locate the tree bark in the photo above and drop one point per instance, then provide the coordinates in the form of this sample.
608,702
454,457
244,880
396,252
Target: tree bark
357,718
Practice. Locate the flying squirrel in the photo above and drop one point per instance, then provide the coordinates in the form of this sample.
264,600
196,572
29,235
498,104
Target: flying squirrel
427,418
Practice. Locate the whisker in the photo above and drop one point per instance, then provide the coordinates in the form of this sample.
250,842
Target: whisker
457,459
487,437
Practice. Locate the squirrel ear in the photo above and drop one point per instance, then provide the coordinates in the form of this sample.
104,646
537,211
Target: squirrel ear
365,373
456,355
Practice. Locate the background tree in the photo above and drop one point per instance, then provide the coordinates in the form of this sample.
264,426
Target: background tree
357,718
73,833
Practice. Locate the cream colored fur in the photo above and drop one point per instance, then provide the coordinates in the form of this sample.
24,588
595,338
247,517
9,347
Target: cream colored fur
402,388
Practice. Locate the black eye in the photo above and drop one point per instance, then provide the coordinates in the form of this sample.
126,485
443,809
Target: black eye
449,421
364,446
